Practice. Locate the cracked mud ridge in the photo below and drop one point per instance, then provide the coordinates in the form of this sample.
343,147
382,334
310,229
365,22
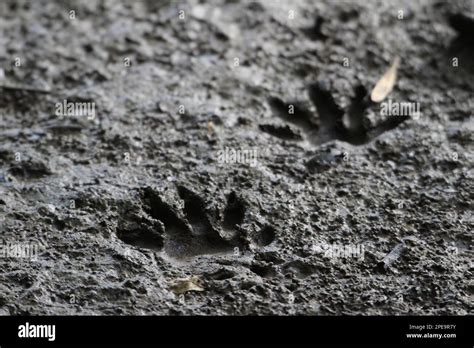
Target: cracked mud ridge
228,157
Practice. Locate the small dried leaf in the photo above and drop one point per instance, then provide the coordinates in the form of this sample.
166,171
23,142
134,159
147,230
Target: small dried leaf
210,127
385,85
181,286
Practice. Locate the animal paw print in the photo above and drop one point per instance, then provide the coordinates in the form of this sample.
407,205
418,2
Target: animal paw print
333,122
190,230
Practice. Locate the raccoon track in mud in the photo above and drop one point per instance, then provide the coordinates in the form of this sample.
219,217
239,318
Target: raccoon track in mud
334,123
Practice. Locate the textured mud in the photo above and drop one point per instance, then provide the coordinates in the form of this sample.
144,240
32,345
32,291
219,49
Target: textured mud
124,204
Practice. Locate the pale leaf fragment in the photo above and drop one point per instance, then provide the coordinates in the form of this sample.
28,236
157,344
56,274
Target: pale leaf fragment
181,286
385,85
210,127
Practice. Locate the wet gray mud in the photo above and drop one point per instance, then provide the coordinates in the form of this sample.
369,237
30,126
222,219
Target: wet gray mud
235,141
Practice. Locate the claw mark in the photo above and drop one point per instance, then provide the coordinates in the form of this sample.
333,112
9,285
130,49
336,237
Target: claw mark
282,132
330,114
266,236
234,214
194,211
294,114
315,31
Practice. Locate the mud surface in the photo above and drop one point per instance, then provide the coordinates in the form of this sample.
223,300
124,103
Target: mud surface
341,210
